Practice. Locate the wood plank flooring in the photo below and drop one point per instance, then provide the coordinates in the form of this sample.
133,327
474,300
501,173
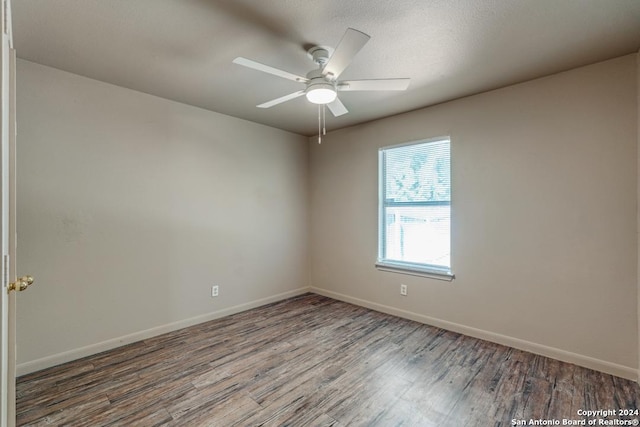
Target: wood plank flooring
314,361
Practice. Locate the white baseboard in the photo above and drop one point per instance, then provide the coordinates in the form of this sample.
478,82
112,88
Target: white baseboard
68,356
543,350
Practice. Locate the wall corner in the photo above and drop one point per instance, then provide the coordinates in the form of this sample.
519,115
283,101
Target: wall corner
638,203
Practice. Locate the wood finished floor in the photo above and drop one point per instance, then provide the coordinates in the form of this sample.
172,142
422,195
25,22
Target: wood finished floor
314,361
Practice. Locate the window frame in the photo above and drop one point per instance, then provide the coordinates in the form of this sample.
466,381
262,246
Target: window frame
402,267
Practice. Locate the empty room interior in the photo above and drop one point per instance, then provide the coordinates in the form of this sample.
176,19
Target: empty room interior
450,238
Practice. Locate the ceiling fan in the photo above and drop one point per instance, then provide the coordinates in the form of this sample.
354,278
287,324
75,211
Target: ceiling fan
322,84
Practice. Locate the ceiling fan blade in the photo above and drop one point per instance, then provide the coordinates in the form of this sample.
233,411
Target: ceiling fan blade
349,46
337,108
281,99
374,84
267,69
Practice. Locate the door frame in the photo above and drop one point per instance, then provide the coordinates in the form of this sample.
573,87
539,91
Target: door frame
7,228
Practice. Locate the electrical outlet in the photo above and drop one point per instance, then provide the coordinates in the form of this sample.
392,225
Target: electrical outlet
214,291
403,290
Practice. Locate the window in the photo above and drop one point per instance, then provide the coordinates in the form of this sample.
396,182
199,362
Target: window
415,209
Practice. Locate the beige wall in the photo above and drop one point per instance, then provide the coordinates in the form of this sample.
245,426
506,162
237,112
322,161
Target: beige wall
132,206
544,243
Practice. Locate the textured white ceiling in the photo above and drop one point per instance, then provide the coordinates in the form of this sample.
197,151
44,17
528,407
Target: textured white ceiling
182,49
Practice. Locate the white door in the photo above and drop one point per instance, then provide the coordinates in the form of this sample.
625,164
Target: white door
8,227
13,283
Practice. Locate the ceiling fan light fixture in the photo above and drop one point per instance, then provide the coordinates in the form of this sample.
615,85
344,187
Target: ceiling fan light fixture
321,93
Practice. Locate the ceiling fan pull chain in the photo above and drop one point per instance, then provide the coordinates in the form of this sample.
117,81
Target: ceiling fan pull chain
319,124
324,120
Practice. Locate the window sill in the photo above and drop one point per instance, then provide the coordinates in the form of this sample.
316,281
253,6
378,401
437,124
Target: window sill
416,270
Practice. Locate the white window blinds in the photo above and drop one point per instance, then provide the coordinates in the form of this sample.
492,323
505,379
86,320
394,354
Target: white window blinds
415,207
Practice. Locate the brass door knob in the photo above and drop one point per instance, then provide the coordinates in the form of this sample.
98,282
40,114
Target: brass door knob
21,284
